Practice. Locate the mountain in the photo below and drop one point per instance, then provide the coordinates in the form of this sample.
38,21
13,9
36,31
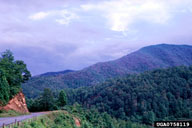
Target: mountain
161,94
56,73
147,58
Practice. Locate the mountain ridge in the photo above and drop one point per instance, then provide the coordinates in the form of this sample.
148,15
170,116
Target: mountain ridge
144,59
55,73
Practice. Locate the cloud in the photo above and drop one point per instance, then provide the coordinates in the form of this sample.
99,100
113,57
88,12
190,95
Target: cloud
66,17
63,16
39,15
122,14
96,31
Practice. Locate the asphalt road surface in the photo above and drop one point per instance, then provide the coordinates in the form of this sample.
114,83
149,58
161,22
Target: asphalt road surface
10,120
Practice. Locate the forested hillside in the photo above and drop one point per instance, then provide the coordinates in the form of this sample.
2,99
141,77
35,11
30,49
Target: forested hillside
56,73
12,74
162,94
147,58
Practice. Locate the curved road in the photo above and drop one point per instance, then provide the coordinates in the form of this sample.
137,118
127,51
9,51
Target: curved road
10,120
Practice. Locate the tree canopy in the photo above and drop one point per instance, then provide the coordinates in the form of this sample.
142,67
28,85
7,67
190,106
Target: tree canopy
48,100
62,99
162,94
12,74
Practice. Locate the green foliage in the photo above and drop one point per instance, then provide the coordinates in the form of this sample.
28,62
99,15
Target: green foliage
88,119
149,117
62,99
12,74
4,89
91,118
47,101
163,94
9,113
145,59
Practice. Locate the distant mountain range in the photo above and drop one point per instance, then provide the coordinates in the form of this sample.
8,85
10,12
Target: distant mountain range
56,73
147,58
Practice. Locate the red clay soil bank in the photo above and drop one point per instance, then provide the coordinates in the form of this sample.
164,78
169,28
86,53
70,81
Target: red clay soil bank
17,103
77,122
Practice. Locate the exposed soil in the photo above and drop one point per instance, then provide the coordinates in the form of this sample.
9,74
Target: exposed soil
17,103
77,122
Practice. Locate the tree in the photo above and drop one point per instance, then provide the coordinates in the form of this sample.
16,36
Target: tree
4,89
8,55
149,118
46,100
62,99
12,74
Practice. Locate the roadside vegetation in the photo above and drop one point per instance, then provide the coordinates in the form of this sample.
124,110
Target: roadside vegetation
67,115
12,74
47,101
9,113
75,116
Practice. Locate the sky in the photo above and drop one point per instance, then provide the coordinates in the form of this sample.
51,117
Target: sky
55,35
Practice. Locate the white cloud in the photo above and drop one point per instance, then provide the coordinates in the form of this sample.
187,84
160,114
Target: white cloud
39,15
60,16
66,17
123,13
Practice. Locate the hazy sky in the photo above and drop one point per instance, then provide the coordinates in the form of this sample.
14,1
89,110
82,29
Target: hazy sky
54,35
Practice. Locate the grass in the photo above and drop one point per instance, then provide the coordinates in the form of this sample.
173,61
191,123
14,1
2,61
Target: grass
9,113
87,118
58,119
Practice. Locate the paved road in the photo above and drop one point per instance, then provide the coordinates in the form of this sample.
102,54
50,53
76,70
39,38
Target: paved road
9,120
